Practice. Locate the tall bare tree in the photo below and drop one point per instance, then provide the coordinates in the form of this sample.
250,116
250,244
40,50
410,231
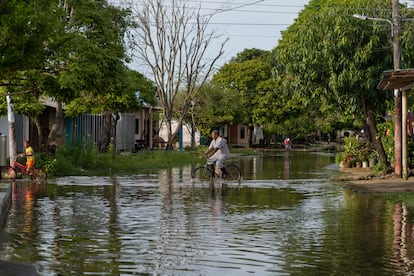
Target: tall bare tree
174,40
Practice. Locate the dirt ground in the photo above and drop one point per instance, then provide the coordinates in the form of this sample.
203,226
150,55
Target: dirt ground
365,180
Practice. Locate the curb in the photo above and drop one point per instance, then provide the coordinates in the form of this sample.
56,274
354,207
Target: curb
5,199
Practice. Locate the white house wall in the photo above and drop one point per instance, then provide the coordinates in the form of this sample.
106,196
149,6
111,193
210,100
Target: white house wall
186,134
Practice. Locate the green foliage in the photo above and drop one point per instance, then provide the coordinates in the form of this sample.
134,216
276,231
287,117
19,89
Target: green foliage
73,53
50,167
352,147
251,54
245,80
25,27
339,58
334,61
339,157
79,160
215,108
386,134
76,160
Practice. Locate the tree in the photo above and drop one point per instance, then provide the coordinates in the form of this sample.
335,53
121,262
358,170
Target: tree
25,28
215,108
72,51
132,91
327,54
246,76
173,40
89,60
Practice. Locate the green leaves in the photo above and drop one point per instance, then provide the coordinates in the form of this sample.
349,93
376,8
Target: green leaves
245,80
72,52
338,53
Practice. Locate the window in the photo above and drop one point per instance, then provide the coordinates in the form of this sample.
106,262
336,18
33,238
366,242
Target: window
242,132
136,126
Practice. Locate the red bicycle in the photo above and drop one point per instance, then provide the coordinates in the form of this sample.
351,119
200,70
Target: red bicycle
11,172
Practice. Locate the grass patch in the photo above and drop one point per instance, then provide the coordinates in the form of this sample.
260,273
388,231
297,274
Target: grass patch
150,161
79,160
88,161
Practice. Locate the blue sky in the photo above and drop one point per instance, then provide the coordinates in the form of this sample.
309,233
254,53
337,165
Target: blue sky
254,23
250,23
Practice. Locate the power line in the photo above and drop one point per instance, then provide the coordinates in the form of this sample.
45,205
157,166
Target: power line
261,5
224,2
257,36
256,3
220,10
248,24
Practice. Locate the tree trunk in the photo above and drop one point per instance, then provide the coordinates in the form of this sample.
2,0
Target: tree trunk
36,122
170,137
250,130
374,134
106,132
55,127
171,134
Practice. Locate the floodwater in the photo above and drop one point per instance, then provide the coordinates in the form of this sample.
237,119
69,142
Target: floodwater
286,218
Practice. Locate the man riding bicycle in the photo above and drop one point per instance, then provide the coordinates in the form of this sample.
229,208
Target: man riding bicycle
217,153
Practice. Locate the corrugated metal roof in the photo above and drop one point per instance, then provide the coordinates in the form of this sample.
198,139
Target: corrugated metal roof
397,79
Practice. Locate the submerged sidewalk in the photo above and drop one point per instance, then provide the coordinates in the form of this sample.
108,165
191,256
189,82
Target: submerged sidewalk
365,180
8,268
5,198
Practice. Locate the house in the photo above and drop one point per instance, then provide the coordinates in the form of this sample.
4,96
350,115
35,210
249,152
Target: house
132,129
236,135
186,132
21,131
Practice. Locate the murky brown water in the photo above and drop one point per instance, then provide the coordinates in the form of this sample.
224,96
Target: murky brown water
285,219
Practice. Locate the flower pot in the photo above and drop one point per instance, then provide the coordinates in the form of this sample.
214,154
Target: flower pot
365,164
347,164
372,163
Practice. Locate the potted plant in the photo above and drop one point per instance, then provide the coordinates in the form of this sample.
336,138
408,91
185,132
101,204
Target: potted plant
372,158
351,151
363,155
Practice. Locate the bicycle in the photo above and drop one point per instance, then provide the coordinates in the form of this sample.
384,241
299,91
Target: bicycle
207,173
11,172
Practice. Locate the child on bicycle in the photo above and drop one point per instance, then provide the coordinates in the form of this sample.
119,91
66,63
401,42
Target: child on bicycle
217,153
30,159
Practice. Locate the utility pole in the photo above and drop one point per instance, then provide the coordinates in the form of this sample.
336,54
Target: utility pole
11,123
399,124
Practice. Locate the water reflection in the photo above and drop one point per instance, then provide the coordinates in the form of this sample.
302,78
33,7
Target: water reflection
284,220
286,165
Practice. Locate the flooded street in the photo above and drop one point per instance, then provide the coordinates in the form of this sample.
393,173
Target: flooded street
286,218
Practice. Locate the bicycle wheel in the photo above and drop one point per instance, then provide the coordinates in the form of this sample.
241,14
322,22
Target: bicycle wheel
41,173
202,174
233,173
8,173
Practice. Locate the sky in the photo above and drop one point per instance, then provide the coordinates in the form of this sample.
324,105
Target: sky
251,23
245,23
248,23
